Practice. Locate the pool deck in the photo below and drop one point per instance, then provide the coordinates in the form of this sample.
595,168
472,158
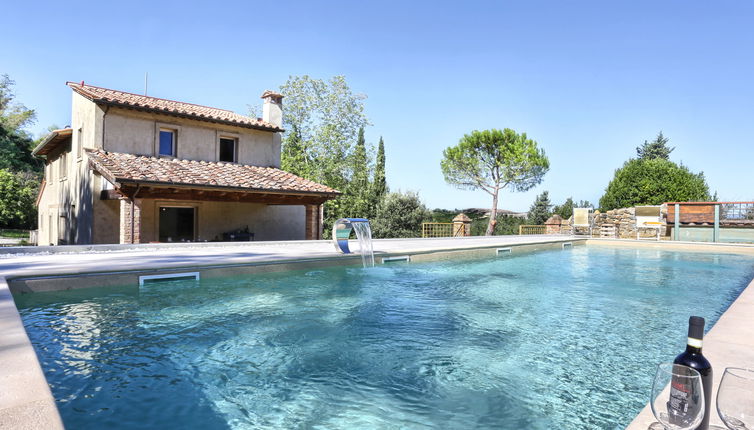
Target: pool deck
25,398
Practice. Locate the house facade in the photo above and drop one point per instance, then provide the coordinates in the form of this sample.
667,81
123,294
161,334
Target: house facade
139,169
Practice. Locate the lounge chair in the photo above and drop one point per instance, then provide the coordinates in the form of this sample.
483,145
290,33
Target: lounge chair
582,218
648,217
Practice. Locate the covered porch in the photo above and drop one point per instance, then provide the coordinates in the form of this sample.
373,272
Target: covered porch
217,204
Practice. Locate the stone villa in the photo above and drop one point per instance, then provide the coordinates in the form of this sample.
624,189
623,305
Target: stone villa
139,169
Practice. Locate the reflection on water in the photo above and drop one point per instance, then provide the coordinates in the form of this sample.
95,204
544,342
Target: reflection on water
557,339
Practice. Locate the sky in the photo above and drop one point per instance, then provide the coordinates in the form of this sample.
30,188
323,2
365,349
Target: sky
588,80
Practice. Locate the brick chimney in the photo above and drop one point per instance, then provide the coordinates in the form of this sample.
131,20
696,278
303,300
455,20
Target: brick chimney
272,110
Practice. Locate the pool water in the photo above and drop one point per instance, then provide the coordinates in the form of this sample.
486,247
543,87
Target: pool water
554,339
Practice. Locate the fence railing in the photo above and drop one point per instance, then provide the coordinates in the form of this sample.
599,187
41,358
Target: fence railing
437,229
738,212
706,213
443,229
532,229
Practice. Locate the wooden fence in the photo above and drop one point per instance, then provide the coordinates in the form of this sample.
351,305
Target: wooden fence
443,229
532,229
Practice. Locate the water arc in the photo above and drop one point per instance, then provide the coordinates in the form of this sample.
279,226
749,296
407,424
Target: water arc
341,231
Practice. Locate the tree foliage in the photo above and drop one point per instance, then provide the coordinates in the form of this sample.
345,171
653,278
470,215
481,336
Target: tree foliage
379,186
566,209
505,225
652,182
657,148
13,116
323,121
18,191
540,209
399,215
358,200
20,172
15,152
326,118
492,160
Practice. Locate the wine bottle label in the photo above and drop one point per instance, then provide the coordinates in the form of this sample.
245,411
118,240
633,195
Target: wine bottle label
681,405
679,398
696,343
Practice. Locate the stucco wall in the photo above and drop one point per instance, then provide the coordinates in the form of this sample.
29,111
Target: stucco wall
137,132
87,219
106,228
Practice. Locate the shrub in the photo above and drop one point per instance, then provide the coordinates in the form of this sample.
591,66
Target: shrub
399,215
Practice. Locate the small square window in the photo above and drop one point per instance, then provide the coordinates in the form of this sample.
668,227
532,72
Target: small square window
167,142
228,150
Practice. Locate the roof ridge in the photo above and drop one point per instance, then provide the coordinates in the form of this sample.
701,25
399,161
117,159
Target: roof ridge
72,84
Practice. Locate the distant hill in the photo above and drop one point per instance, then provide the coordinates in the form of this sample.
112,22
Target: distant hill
446,215
485,213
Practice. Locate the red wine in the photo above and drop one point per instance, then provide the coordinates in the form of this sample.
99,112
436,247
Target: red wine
693,358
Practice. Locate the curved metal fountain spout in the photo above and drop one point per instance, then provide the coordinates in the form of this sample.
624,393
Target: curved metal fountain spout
341,231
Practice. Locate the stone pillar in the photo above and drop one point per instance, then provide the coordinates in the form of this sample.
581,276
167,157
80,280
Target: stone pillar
313,227
130,233
552,225
461,225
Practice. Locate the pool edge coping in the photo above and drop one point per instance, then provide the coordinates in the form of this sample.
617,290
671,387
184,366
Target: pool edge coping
26,401
286,263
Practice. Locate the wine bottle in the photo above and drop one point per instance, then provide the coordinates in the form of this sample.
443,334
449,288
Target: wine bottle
692,357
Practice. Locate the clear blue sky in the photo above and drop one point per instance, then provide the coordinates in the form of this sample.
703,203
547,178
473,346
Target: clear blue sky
588,80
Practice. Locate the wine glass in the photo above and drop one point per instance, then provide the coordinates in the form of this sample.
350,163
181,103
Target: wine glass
735,398
677,397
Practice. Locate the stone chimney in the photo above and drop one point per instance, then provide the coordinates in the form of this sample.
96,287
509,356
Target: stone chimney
272,110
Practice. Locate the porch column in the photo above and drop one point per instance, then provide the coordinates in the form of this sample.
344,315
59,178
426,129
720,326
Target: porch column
130,221
313,226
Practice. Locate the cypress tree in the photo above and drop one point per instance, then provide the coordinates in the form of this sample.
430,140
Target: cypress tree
357,200
380,182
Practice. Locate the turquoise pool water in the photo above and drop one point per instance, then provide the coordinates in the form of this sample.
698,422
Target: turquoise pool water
556,339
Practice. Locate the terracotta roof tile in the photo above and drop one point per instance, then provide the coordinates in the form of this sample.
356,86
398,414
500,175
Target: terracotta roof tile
169,107
120,167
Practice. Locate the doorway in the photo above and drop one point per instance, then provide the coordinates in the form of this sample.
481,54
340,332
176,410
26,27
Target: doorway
177,224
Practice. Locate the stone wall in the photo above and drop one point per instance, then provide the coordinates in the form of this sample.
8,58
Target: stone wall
623,220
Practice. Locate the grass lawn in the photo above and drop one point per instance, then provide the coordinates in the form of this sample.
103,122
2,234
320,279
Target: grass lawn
14,233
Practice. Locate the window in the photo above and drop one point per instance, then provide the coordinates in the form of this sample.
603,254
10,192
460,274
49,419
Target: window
63,169
80,142
228,149
167,142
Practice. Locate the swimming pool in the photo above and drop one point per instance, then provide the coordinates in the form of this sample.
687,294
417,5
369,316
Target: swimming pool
553,339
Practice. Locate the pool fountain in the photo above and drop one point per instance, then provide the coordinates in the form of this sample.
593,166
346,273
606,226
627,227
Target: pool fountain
341,231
